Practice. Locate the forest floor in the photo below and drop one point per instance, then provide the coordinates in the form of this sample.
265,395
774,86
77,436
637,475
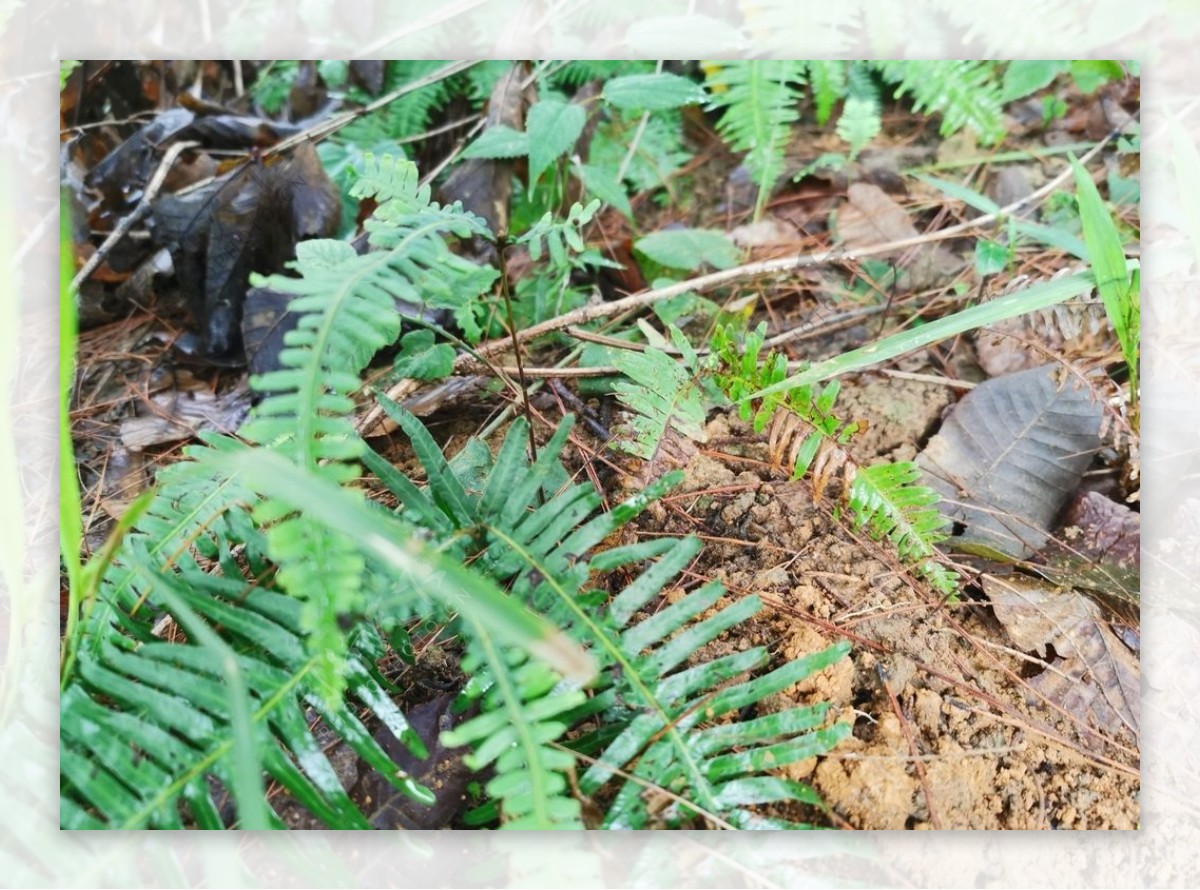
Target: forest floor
958,721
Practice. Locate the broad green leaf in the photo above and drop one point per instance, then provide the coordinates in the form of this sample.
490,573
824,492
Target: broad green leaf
552,127
689,249
1024,77
422,359
498,142
652,92
1091,74
990,257
334,72
599,181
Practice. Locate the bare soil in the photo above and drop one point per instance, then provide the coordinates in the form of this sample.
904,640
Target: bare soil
947,733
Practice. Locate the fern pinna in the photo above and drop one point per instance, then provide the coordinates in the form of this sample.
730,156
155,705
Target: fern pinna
804,431
283,580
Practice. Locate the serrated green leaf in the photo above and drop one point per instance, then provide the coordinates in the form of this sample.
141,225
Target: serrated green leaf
552,126
599,181
652,92
689,249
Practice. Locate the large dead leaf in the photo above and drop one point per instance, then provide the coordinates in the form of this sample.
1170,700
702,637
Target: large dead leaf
1093,677
249,223
1010,454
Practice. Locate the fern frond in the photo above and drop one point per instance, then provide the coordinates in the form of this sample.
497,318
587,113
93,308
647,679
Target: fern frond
410,114
887,498
531,528
862,114
664,395
147,733
965,94
761,101
828,81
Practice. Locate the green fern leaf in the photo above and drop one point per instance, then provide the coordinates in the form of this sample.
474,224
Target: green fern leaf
663,395
761,100
965,94
886,498
828,81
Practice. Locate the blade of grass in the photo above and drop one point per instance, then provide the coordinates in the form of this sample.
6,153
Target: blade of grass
1121,299
1010,306
70,510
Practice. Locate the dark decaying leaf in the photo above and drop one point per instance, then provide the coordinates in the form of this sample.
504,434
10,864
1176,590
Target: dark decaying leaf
307,93
250,223
1097,548
368,74
442,772
1010,454
123,173
265,322
484,185
1094,676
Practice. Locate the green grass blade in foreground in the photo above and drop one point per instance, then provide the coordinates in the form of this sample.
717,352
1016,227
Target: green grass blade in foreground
392,541
70,511
1121,299
1032,299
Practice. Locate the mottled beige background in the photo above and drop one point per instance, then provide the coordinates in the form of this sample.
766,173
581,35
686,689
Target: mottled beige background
35,33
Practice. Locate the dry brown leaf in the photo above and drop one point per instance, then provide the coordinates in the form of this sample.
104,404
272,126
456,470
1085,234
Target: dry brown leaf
1094,676
870,217
182,412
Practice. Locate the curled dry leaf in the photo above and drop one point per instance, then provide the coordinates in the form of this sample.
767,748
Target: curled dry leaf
181,413
1093,677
